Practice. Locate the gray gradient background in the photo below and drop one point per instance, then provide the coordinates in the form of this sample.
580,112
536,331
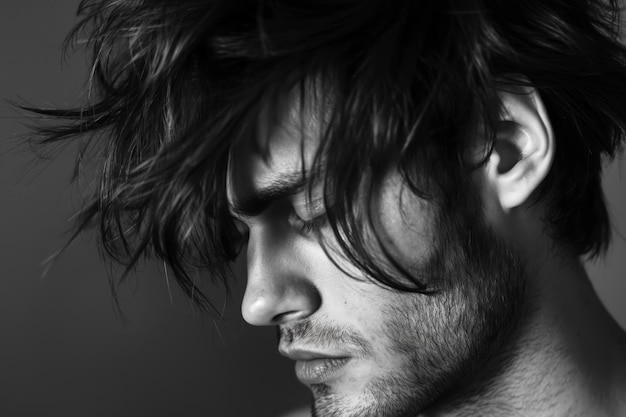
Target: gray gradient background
63,350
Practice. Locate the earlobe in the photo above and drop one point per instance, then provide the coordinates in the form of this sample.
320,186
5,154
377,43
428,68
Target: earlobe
523,150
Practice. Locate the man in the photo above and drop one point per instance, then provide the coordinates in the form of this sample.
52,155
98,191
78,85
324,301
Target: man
413,182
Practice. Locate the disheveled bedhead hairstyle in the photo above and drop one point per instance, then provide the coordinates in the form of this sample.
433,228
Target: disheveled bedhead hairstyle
175,83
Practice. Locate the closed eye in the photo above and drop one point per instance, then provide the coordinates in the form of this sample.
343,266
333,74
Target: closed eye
309,226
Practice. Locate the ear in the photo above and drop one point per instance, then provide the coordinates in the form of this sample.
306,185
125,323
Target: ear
524,147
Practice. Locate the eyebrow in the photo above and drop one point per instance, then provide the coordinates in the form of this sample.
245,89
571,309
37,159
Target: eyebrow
254,203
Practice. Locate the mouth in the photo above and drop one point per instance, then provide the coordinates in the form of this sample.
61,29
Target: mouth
316,368
317,371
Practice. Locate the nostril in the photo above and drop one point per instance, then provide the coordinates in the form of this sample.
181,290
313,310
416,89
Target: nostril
283,301
289,316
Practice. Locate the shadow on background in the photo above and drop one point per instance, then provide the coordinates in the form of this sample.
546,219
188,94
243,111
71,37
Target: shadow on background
63,351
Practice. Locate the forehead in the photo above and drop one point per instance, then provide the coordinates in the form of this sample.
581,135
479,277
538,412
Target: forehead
284,145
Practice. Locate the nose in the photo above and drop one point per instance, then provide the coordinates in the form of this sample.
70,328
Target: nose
278,289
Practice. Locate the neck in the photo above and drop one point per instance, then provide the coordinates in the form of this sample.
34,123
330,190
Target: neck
569,358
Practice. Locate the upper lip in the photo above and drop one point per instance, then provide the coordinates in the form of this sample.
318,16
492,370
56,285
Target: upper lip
307,354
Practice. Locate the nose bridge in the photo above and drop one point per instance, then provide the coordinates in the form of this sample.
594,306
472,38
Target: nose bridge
278,289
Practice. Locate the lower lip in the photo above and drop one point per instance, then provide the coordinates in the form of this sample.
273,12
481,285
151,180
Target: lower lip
317,371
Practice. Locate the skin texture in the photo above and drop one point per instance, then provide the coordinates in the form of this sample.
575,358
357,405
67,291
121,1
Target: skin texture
406,349
487,331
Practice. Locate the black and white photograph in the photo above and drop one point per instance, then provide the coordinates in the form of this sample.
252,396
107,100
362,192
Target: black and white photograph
312,208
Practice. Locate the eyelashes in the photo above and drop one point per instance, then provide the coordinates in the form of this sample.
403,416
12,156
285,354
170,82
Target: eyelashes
310,226
305,217
298,224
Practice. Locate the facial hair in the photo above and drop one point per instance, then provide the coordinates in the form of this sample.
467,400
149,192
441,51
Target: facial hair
450,339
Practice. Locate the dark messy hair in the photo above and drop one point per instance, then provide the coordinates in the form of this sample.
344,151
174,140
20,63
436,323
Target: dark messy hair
175,83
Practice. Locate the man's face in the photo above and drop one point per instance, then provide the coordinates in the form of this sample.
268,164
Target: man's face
364,349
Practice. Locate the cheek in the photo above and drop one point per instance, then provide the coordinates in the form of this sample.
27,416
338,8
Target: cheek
402,222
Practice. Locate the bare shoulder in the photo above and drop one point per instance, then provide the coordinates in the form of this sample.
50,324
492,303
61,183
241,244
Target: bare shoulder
298,412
